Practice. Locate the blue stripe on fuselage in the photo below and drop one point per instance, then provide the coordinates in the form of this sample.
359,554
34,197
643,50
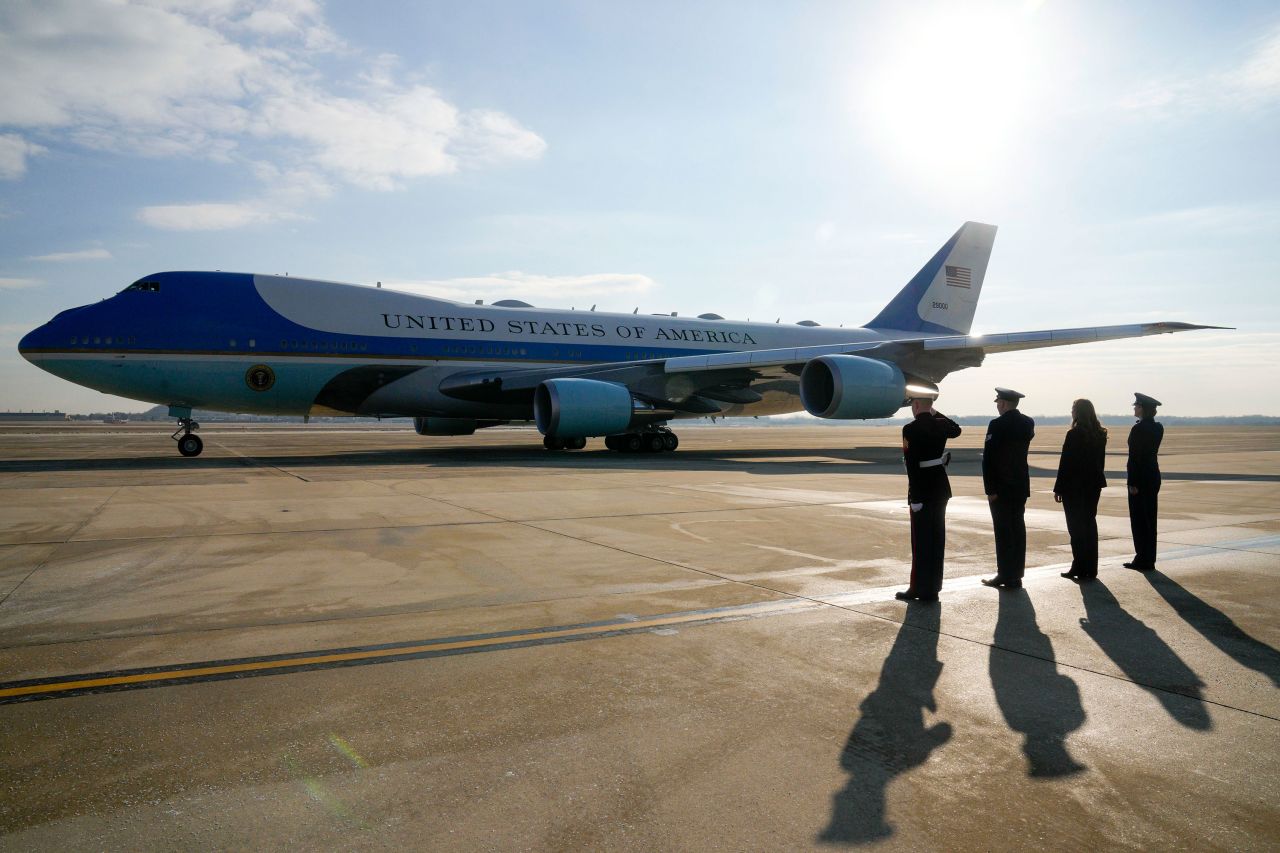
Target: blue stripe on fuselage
204,312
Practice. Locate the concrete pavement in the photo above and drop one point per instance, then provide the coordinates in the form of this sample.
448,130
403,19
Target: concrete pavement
363,639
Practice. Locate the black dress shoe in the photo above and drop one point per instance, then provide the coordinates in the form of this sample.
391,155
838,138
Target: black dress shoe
1070,575
908,595
1140,567
1000,583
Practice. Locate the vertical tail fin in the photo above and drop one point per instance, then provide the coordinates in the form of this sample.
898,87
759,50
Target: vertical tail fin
943,296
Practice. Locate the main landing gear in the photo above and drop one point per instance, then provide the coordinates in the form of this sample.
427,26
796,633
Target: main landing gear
189,444
653,440
551,442
656,440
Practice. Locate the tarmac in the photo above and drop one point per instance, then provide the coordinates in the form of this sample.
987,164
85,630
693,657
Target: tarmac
348,638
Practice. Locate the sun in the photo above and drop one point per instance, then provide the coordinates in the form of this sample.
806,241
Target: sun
948,99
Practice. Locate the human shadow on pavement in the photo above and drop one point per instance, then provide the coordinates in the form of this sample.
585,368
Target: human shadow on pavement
890,737
1035,699
1143,657
1218,628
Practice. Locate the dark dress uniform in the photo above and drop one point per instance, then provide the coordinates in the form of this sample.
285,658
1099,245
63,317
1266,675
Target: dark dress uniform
1081,479
1144,475
924,441
1005,475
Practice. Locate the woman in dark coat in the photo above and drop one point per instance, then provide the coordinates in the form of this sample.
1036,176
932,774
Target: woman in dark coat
1080,482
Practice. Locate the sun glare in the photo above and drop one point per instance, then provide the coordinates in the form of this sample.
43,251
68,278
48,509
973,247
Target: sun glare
948,99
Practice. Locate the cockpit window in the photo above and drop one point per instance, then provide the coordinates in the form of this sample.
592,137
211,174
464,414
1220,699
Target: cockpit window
144,284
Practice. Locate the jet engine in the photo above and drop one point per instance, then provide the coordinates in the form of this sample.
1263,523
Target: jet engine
850,386
576,408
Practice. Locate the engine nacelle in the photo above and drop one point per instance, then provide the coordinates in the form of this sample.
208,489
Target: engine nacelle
444,426
576,408
850,386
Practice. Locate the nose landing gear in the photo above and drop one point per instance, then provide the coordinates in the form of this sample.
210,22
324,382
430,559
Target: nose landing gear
189,444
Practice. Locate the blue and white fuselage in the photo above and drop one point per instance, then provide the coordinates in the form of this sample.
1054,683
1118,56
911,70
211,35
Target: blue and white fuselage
277,345
187,339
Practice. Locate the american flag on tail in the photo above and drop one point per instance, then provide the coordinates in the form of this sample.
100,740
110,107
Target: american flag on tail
959,276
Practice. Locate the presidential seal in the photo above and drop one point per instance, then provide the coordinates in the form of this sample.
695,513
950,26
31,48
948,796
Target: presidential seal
260,377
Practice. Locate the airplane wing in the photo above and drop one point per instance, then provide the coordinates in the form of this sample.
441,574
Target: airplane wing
931,357
697,383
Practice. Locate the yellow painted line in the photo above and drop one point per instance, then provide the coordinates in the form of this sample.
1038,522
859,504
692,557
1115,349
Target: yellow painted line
373,654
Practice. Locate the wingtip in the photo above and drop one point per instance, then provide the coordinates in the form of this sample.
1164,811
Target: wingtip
1191,327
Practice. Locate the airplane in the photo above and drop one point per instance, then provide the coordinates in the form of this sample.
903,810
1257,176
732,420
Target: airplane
267,344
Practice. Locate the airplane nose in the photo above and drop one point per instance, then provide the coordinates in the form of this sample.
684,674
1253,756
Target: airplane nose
33,340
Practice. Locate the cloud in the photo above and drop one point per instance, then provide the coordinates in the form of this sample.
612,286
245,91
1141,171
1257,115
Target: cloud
1258,79
18,283
84,255
1253,83
529,286
1221,220
212,78
14,151
209,216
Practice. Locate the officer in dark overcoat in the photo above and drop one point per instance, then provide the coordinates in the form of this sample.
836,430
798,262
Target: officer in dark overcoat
924,443
1081,479
1007,482
1144,481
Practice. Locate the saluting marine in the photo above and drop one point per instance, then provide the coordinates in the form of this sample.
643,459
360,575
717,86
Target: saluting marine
1144,481
1007,482
924,442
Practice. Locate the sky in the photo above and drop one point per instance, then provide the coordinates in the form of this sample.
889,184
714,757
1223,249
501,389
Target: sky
759,160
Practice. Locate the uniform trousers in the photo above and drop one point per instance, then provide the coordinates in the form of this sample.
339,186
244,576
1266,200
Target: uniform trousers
1082,525
1011,537
1142,521
928,542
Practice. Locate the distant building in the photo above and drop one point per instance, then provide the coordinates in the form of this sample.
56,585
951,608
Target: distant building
16,417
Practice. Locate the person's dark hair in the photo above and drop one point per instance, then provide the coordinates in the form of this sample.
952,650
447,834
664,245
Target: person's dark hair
1085,419
1147,411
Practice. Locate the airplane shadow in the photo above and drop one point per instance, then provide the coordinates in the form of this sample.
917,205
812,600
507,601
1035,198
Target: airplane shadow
882,459
861,460
1035,699
1116,476
889,737
1143,657
1218,628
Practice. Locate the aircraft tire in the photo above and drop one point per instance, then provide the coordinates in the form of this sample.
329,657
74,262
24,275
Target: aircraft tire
550,442
654,443
190,445
670,441
575,443
631,443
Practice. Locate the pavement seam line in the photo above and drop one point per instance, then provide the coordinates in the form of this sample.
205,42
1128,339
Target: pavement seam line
56,545
848,609
254,461
1057,662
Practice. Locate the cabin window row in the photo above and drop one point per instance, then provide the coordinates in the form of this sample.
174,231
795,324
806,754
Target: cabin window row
474,349
99,340
317,346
